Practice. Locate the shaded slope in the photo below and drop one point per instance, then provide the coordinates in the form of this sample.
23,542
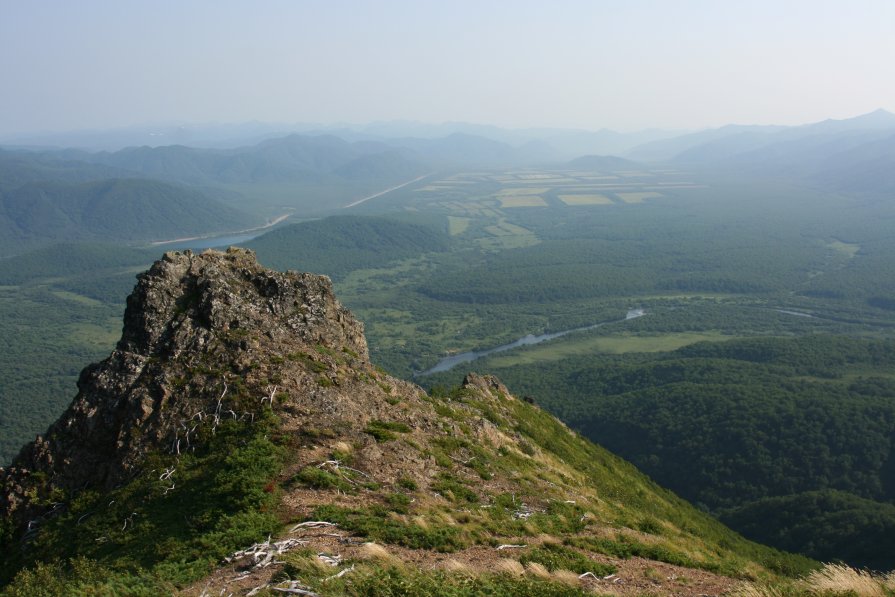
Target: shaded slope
110,210
339,244
293,158
827,525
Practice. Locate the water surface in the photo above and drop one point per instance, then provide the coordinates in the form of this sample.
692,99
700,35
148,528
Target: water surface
448,363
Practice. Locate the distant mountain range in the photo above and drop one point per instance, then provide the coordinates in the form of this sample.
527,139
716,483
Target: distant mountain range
855,155
449,142
142,193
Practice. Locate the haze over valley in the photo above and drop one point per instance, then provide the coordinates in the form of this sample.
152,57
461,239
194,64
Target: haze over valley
680,246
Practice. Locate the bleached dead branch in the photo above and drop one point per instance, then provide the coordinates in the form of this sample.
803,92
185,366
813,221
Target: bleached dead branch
296,588
340,574
264,554
329,560
337,465
312,524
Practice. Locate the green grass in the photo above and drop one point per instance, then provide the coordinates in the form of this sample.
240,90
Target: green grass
77,298
374,523
222,500
577,344
397,580
385,431
92,334
559,557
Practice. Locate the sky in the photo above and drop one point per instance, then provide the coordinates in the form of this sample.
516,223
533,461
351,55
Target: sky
619,64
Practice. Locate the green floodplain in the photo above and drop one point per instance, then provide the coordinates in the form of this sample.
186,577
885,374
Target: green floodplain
759,380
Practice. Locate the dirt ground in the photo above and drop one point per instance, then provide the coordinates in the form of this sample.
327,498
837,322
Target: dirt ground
634,576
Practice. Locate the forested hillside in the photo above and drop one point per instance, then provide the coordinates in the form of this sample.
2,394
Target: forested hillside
122,210
750,429
337,245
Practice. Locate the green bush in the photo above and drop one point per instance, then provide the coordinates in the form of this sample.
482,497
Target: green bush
557,557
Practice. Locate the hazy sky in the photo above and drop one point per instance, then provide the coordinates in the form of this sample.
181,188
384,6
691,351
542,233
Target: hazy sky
621,64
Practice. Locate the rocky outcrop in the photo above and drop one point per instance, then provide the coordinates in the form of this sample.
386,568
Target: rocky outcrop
202,335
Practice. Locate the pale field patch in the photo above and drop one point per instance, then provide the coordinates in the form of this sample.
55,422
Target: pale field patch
522,201
536,176
593,199
574,345
849,249
521,191
457,225
638,197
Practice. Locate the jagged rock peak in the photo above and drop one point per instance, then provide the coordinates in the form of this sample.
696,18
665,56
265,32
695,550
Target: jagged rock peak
202,333
184,299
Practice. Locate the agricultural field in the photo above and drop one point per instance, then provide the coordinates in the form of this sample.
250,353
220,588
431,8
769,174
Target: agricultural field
479,204
583,199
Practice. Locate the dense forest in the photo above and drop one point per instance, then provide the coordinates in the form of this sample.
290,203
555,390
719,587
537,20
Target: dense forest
338,245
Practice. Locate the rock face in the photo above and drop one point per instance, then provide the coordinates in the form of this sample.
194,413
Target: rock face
197,331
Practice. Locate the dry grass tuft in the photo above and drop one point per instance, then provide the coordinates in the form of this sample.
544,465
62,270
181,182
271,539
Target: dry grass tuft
421,522
509,566
455,566
536,569
343,447
567,577
748,589
374,551
889,581
838,579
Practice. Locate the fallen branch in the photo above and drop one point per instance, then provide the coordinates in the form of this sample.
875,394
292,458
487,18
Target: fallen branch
264,554
337,465
340,574
312,524
510,546
333,561
295,588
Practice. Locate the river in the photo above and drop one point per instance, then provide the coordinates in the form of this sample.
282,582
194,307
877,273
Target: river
213,242
448,363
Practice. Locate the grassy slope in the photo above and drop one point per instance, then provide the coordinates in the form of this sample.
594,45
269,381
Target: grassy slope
588,509
733,424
